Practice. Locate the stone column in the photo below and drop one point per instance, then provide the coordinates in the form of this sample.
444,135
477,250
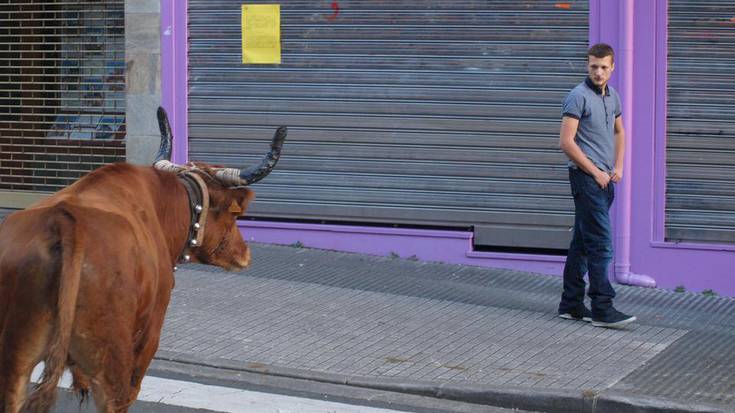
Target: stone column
143,79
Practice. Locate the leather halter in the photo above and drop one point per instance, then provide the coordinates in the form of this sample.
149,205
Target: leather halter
198,194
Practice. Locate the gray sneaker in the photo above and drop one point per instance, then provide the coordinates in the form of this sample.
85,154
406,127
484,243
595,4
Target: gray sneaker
615,319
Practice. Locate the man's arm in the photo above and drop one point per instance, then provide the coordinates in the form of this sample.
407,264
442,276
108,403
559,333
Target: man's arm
567,144
617,174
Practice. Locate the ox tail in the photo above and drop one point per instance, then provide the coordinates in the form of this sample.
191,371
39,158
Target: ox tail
72,244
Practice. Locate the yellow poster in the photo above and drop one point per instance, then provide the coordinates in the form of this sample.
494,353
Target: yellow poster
261,33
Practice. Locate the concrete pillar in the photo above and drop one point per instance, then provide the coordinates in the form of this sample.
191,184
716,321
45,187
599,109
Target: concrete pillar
143,77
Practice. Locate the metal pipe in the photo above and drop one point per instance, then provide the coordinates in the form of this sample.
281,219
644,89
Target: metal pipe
623,274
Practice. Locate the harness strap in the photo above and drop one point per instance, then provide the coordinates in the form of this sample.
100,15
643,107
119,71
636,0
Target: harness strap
198,194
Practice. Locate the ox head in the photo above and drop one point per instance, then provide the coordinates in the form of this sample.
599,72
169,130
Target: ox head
220,242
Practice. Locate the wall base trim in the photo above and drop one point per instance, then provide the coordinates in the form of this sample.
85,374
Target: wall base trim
452,247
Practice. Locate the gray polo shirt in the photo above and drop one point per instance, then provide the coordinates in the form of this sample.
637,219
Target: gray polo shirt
596,114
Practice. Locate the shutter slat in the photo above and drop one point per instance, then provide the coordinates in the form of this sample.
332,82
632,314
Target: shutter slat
700,155
433,113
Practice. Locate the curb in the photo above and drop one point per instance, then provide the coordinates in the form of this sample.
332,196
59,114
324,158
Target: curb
522,398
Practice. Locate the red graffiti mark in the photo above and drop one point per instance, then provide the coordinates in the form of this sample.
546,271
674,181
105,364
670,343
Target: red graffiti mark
732,19
335,7
565,6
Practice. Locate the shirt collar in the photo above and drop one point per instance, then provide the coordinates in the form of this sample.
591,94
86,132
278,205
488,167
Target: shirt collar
597,89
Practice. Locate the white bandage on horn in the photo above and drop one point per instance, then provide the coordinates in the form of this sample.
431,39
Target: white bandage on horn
229,176
168,166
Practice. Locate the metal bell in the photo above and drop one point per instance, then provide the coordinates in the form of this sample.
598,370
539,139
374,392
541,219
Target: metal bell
197,226
193,243
198,208
187,258
176,268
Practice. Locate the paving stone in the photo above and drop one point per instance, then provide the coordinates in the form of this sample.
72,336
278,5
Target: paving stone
281,317
368,316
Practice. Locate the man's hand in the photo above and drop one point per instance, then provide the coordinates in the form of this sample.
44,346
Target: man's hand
617,175
602,179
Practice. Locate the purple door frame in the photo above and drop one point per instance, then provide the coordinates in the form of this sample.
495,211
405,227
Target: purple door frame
174,76
638,32
611,22
694,266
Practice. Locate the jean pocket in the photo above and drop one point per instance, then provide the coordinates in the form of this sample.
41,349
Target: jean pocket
575,188
611,190
591,184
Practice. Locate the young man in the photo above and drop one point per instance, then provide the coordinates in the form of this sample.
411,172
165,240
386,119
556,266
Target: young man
592,137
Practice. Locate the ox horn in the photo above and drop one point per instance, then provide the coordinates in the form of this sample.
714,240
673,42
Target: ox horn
163,158
164,151
253,174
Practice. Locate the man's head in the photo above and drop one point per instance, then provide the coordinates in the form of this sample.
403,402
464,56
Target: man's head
600,63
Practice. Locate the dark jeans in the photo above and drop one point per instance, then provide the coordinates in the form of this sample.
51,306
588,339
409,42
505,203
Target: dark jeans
591,248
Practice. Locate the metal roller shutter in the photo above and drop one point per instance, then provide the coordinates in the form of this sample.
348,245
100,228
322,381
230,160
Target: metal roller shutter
700,156
62,91
427,113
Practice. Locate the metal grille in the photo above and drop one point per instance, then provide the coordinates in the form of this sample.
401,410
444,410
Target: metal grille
429,113
62,90
700,192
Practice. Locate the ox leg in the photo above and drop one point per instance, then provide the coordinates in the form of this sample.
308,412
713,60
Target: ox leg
148,344
15,392
111,394
17,378
21,353
117,382
144,356
110,378
80,383
101,365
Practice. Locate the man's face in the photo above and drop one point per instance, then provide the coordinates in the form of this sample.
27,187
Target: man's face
600,69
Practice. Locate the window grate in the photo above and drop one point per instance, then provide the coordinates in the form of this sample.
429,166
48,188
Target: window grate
62,91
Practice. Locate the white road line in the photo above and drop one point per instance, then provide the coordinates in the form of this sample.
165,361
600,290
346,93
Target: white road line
228,399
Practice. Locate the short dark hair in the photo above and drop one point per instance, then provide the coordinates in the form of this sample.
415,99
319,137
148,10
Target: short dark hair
601,50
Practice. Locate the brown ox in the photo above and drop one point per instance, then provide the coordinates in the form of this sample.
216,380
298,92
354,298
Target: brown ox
86,275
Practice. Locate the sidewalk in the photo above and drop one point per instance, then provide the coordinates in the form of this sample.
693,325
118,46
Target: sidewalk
465,333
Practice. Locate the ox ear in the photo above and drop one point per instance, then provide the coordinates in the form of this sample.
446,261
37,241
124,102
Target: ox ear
234,208
240,201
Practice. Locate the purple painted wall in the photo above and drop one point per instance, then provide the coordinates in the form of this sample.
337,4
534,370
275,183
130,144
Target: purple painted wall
637,30
695,266
441,246
174,79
